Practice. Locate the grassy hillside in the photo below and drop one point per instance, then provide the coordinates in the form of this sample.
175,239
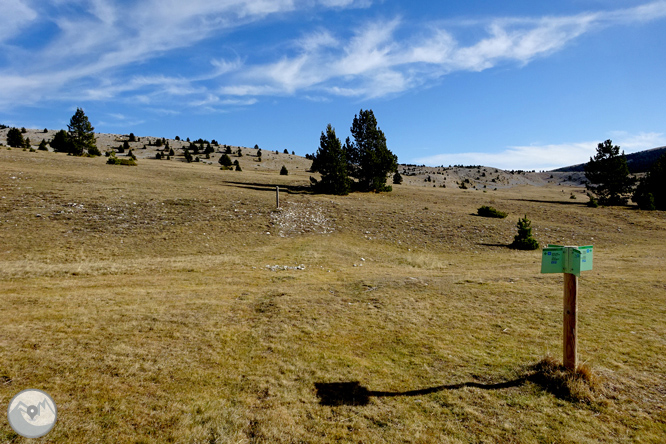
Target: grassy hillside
172,302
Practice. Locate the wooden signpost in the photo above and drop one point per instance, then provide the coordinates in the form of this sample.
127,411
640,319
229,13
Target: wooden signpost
570,261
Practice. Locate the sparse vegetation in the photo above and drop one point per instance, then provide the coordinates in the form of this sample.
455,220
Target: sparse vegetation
165,325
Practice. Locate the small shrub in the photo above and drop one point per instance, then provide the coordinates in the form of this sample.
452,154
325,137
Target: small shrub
42,146
286,151
524,240
94,151
397,178
132,137
573,196
225,160
592,203
113,160
238,168
486,211
284,171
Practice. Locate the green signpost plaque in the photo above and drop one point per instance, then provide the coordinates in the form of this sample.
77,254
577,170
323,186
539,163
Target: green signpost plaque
573,260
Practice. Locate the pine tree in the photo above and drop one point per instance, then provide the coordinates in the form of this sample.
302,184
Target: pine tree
650,194
225,160
608,175
368,158
397,178
15,138
284,171
60,142
81,134
524,240
132,137
42,146
331,163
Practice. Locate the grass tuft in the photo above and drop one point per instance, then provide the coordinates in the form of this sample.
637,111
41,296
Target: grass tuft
581,385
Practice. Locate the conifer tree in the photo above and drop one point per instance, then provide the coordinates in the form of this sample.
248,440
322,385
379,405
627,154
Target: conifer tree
331,163
15,138
225,160
608,175
368,158
650,194
81,134
524,240
60,142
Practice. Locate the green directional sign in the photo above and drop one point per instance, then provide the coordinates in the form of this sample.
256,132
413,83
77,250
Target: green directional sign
560,259
586,258
552,260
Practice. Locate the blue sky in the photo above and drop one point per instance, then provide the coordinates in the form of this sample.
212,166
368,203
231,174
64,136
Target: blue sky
516,85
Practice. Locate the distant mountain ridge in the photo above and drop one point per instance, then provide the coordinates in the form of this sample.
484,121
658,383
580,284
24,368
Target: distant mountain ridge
639,162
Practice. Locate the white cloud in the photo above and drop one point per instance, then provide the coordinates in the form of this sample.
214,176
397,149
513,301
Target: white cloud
95,49
545,157
16,15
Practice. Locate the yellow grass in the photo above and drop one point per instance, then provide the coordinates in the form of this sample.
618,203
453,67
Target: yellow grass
141,300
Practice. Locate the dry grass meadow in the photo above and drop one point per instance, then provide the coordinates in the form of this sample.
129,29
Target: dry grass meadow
172,302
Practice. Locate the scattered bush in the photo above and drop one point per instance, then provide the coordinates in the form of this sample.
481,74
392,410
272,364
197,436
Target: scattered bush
238,168
486,211
113,160
225,160
284,171
285,151
592,203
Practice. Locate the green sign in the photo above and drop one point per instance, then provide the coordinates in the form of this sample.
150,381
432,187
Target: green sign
560,259
552,260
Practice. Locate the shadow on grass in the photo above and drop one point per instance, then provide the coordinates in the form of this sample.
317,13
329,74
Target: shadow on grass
551,376
497,245
353,393
291,189
557,202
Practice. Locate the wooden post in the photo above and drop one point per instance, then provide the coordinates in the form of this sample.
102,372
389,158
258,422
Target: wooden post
570,341
277,196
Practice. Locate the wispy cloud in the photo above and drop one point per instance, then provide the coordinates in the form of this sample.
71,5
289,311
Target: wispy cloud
375,62
93,54
545,157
